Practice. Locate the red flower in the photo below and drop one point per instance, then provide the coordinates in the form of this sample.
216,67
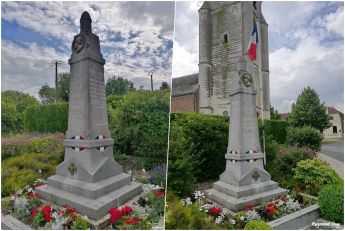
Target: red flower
33,213
271,210
215,211
126,210
65,206
75,217
115,215
285,199
133,221
38,185
31,196
160,194
46,209
48,217
71,210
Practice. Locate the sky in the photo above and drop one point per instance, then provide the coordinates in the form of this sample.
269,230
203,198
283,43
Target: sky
135,38
306,48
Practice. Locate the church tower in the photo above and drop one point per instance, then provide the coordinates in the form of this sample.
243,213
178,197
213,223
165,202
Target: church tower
224,32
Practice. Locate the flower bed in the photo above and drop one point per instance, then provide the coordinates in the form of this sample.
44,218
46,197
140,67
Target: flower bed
266,212
27,206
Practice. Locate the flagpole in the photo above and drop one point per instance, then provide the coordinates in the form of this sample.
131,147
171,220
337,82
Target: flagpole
261,87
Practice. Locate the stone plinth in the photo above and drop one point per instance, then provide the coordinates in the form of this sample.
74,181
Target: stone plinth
244,181
89,178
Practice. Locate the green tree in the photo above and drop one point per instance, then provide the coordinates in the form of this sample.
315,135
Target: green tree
274,113
13,105
63,87
309,111
47,94
164,86
118,86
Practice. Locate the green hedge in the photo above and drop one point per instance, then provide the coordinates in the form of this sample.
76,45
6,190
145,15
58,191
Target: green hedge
331,202
275,130
304,137
47,118
139,125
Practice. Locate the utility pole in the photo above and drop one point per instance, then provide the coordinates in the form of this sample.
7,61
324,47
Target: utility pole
150,73
56,63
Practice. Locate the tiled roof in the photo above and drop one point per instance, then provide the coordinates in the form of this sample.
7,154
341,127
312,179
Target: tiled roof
184,85
332,110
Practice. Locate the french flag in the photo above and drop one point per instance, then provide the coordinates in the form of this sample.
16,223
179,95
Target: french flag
253,41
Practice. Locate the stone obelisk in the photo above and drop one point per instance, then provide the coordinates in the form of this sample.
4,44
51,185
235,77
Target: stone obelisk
245,181
88,179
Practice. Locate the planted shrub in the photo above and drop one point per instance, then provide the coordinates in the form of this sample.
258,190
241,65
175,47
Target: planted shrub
19,171
140,124
304,137
204,138
313,174
257,225
281,160
275,130
331,202
47,118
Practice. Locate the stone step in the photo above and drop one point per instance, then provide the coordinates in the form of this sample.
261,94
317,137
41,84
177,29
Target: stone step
89,190
237,204
93,208
246,190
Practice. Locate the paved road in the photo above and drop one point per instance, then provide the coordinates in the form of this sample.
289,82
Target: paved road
334,149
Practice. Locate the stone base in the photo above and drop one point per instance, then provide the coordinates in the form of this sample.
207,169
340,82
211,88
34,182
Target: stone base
236,198
97,197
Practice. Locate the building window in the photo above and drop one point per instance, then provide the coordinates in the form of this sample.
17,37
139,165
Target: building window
225,38
335,129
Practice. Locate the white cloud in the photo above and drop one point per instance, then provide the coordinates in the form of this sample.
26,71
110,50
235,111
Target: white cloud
335,21
129,57
184,61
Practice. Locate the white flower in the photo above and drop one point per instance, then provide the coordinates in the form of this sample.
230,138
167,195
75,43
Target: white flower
233,221
40,171
242,218
219,219
252,215
188,201
13,198
293,205
30,190
143,170
198,194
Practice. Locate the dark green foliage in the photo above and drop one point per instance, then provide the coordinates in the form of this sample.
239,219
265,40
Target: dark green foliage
118,86
61,94
164,86
274,114
47,94
140,124
281,160
314,174
275,130
113,101
304,137
47,118
257,225
63,87
203,142
308,111
331,202
13,104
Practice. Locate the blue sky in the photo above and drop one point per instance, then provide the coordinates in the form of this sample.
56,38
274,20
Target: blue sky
306,48
135,38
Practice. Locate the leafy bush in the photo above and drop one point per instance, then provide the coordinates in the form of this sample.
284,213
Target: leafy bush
304,137
331,202
24,143
281,160
189,217
13,104
47,118
275,130
257,225
140,124
19,171
313,174
204,139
